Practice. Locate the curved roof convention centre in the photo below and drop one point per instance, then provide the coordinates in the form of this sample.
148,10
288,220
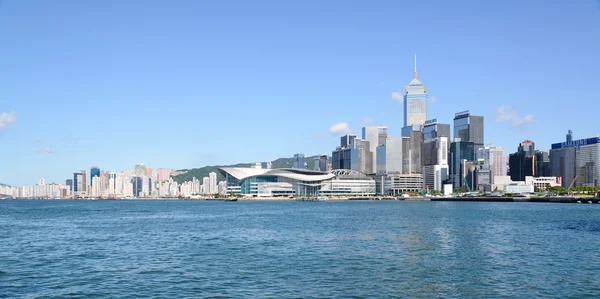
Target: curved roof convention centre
296,174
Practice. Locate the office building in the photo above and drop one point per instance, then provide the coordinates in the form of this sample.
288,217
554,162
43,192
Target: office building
94,172
316,162
80,182
542,166
376,136
412,152
469,128
433,129
69,184
460,153
299,161
137,186
346,140
528,147
576,162
390,157
415,101
484,175
323,162
361,157
523,163
357,156
340,158
435,162
495,157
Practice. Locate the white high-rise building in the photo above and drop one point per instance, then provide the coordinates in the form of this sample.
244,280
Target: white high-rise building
389,156
212,183
42,181
376,136
435,162
205,185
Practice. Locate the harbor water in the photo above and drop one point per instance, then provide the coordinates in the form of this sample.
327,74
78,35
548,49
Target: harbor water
290,249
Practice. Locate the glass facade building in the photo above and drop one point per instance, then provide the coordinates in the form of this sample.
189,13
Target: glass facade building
323,161
94,172
435,130
460,152
376,136
288,182
299,161
576,162
137,183
469,128
415,101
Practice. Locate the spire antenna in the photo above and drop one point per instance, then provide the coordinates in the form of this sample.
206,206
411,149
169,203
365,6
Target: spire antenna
415,75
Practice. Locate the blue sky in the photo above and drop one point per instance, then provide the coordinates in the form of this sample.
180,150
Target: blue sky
184,84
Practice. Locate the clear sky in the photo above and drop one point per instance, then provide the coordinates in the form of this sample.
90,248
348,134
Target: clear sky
184,84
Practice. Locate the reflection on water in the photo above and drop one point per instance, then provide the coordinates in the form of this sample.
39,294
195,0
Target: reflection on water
293,249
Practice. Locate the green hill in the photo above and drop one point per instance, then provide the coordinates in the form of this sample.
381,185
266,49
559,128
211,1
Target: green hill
202,172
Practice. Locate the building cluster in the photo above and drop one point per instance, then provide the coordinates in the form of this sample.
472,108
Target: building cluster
142,182
427,155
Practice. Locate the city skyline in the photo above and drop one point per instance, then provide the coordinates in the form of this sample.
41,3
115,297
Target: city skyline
79,96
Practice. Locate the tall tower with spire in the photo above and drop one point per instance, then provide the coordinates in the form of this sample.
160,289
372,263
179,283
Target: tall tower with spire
415,101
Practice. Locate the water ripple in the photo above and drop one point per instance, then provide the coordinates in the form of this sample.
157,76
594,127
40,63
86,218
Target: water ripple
109,249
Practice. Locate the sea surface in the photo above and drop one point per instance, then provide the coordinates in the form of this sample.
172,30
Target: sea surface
269,249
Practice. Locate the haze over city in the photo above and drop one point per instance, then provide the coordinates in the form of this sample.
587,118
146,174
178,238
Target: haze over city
187,84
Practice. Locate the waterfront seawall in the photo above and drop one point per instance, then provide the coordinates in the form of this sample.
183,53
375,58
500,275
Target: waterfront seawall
521,199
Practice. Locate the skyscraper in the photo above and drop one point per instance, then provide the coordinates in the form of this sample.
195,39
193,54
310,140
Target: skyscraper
412,149
460,153
212,178
435,162
376,136
542,160
523,162
346,140
299,161
415,100
469,128
576,162
94,172
433,129
495,157
80,182
206,185
390,156
137,187
323,161
361,156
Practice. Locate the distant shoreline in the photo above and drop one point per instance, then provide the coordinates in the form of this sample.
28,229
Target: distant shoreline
444,199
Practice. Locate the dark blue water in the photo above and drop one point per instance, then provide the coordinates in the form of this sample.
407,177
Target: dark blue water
298,249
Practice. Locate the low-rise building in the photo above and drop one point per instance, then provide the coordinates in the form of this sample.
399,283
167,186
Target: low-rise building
296,182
